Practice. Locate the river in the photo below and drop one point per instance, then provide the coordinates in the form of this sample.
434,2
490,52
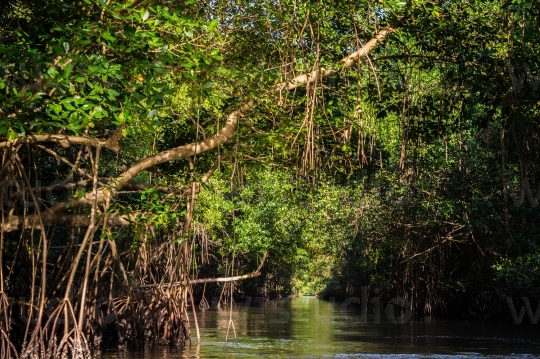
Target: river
311,328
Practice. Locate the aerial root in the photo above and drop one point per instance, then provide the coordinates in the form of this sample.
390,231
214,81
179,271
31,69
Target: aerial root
7,349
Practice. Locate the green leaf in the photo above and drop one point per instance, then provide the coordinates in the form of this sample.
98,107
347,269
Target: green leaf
68,105
11,135
67,70
113,93
56,108
212,24
152,113
107,36
52,73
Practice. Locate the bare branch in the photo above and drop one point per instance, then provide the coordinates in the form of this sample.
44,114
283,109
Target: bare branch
64,160
253,274
66,141
13,223
348,62
224,135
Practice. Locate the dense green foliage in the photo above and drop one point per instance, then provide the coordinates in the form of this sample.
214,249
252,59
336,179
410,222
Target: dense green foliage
422,165
415,171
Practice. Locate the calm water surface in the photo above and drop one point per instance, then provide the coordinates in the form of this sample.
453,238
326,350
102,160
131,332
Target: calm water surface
312,328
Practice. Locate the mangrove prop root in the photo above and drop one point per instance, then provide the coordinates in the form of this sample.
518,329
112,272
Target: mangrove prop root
46,343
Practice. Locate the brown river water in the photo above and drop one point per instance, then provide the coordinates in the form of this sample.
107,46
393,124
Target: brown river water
310,328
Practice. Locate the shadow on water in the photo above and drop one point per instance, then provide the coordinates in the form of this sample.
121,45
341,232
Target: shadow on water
312,328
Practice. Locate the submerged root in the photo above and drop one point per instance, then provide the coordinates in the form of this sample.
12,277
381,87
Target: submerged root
203,304
154,318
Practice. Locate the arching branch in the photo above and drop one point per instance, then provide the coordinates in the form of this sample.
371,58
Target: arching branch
227,131
52,215
348,62
224,135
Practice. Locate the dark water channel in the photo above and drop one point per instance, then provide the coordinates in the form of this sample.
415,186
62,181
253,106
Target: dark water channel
312,328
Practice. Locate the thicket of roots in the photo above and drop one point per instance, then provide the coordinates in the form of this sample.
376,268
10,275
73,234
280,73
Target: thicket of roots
155,312
7,349
148,309
63,287
154,318
59,337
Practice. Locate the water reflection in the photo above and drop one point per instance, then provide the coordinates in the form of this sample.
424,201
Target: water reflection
311,328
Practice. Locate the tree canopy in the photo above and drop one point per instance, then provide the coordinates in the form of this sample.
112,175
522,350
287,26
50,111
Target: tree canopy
149,144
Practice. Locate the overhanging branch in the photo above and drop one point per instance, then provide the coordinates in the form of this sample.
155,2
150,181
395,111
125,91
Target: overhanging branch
227,131
348,62
224,135
54,215
65,141
253,274
12,223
